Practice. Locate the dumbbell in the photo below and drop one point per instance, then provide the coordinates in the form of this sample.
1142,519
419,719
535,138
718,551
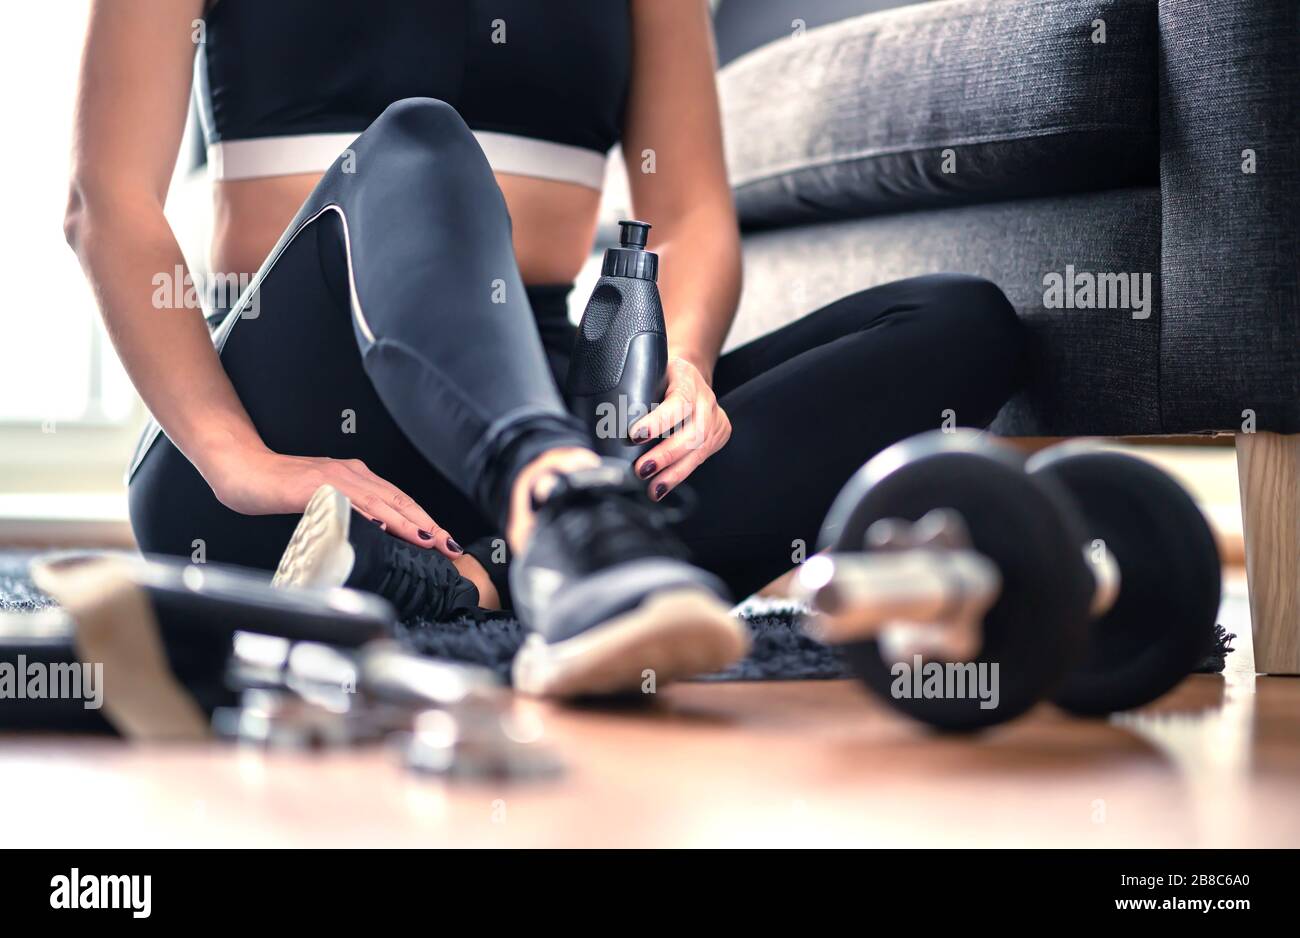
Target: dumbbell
309,668
1083,576
453,720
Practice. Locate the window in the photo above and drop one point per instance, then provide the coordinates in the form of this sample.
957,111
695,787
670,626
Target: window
56,365
69,417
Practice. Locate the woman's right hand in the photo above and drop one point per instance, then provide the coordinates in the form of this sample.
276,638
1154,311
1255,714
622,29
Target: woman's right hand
272,484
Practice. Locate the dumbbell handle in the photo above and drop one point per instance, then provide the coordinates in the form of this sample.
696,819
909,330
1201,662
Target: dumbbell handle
860,596
388,672
379,669
1106,580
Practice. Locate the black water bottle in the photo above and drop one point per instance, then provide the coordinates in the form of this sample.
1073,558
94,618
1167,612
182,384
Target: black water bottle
619,370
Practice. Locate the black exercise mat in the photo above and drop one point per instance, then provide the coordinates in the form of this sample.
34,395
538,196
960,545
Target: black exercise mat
780,652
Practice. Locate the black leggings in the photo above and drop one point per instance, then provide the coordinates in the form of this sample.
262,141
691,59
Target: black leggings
393,327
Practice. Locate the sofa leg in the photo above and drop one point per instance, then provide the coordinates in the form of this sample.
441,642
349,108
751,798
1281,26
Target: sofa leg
1268,472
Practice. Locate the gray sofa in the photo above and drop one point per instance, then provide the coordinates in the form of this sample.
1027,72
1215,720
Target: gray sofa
1047,145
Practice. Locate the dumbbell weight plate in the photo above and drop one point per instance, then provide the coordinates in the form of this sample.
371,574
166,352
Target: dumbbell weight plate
1036,629
1162,623
199,608
216,599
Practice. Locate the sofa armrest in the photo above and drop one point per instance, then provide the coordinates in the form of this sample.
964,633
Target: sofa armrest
1230,185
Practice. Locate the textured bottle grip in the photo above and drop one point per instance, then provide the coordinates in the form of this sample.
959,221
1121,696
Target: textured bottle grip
619,309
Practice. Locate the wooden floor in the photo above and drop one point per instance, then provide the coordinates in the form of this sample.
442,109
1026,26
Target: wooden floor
1215,763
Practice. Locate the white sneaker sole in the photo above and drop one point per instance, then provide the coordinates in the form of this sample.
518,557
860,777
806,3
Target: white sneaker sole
318,554
672,635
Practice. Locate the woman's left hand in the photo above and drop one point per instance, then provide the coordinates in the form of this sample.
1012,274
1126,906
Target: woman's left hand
693,424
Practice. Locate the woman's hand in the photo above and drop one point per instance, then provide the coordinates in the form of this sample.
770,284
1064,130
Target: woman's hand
696,425
271,484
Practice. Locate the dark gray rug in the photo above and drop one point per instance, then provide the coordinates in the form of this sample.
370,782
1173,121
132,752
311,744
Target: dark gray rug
780,652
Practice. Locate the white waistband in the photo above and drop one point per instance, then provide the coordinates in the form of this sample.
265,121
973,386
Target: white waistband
315,153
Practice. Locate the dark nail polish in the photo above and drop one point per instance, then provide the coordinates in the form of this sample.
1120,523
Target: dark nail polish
424,535
660,491
640,435
647,469
454,547
376,521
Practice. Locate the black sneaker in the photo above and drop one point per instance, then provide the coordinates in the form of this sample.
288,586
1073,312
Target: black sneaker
608,597
328,549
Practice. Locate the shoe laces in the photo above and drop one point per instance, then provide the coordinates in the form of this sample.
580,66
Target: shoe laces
417,581
605,526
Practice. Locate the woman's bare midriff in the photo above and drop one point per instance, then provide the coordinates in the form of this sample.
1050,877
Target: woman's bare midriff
554,223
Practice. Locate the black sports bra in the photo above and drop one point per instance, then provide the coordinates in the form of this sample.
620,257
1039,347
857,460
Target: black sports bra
284,86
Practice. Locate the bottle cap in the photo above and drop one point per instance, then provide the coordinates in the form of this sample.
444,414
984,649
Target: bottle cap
630,258
633,234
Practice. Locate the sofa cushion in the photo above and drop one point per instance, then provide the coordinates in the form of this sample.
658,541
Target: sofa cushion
743,25
1091,370
943,103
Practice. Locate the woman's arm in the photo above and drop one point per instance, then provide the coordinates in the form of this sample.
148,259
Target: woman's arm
131,105
673,128
130,114
672,144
